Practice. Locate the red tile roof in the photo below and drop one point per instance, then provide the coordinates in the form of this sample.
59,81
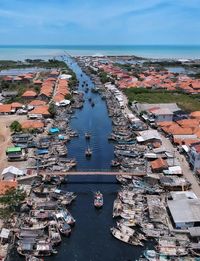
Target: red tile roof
30,124
5,108
158,164
40,110
6,185
29,93
36,103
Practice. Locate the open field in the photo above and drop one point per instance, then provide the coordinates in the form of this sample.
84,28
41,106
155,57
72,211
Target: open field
184,101
5,139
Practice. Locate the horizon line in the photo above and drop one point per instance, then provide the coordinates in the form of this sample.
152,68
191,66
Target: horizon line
99,45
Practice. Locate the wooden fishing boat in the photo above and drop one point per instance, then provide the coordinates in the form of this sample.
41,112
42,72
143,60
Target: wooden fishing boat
87,135
88,152
54,233
128,222
132,240
66,215
115,163
64,228
92,104
98,199
33,258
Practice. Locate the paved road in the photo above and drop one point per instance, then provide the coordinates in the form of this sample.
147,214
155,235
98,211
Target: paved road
187,173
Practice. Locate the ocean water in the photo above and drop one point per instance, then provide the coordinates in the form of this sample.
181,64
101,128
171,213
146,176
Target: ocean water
48,51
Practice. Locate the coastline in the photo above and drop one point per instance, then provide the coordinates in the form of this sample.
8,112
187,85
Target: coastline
148,52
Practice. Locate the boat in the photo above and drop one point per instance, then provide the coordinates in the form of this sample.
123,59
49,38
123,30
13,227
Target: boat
28,247
33,258
115,163
88,152
92,104
98,199
66,215
87,135
150,255
54,233
132,240
63,226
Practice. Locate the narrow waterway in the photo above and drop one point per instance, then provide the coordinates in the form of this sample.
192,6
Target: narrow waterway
91,239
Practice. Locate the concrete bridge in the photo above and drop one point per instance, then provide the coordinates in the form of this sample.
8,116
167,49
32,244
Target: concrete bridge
92,172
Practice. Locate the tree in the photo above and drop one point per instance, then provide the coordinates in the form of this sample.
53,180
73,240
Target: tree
15,126
52,109
10,202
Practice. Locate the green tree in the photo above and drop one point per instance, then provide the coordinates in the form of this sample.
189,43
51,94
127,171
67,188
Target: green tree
10,202
15,126
52,109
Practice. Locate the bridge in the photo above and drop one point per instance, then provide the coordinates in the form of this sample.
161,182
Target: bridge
92,173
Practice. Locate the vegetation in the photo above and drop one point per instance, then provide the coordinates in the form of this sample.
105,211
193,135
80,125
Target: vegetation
52,63
68,96
104,77
15,126
126,66
184,101
73,80
52,109
10,202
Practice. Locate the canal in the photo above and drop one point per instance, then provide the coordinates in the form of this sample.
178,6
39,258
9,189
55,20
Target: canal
91,239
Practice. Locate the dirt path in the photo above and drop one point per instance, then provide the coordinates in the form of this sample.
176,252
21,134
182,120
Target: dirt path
5,138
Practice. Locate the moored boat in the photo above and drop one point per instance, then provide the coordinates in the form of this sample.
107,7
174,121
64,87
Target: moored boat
98,199
87,135
88,152
54,234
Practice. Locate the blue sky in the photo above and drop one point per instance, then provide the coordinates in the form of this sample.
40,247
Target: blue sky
99,22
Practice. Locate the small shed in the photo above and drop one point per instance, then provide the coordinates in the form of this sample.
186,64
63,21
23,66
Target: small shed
54,130
10,173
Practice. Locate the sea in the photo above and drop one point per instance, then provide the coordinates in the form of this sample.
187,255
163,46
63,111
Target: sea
21,52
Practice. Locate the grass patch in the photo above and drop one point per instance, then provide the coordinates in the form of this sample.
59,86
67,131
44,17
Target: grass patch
186,102
29,63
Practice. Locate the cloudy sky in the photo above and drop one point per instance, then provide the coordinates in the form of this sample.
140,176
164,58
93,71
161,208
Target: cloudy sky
99,22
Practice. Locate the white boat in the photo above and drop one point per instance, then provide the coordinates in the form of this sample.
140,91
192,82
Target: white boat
98,199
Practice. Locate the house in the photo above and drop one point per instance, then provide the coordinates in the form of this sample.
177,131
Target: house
194,156
15,153
158,165
36,103
6,185
195,115
9,94
29,94
11,173
37,82
164,114
33,124
16,105
185,212
7,79
149,136
5,108
40,111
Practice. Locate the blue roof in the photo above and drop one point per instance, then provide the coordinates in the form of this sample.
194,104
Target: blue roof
54,130
42,151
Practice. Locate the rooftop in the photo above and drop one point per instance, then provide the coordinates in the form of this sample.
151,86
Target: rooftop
185,210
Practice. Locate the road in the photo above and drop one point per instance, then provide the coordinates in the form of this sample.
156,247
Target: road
187,172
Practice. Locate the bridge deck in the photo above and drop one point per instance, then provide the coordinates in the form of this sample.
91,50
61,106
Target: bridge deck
98,173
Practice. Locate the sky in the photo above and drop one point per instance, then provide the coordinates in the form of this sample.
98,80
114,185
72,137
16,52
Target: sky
99,22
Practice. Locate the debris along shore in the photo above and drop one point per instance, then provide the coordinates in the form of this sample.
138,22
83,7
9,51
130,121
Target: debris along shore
148,208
